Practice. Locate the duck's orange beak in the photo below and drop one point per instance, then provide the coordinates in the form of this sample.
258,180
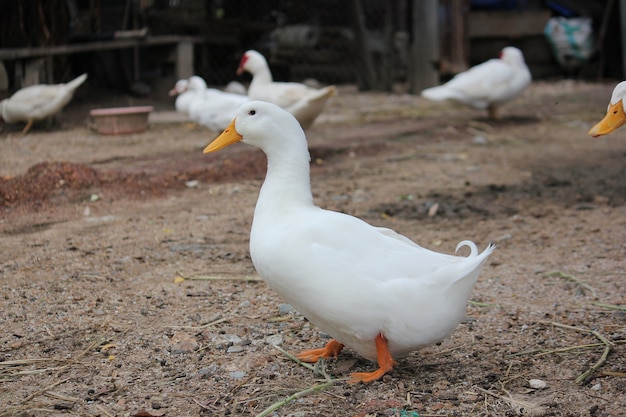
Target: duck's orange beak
228,137
615,117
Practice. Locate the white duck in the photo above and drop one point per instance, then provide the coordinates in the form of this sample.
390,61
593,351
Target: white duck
615,115
487,85
38,102
369,288
184,96
304,102
208,107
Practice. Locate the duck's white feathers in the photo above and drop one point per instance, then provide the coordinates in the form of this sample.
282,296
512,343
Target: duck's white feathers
214,108
304,102
492,82
354,281
618,94
208,107
38,102
310,106
351,279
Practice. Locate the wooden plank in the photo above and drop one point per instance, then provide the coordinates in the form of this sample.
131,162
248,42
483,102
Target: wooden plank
507,24
20,53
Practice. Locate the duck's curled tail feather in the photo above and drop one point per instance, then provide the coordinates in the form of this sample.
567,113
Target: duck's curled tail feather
76,82
473,248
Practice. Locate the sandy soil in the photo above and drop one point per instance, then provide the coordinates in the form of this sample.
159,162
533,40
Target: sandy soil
127,287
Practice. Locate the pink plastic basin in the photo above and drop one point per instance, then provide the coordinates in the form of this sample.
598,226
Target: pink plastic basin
120,120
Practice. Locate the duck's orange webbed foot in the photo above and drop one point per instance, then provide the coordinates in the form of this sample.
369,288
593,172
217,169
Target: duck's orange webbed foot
331,349
385,363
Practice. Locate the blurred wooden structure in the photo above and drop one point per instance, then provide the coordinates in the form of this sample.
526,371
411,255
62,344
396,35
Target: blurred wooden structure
377,44
32,65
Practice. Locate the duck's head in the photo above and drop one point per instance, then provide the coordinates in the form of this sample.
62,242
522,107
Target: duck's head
615,116
179,88
260,124
251,61
512,55
196,83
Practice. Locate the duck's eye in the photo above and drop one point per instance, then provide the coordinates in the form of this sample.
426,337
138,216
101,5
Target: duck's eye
251,112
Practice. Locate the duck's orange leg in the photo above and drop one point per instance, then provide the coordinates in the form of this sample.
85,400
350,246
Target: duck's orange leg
331,349
385,363
28,126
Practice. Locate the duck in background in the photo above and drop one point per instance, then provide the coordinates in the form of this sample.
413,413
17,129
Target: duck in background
369,288
487,85
184,96
304,102
208,107
38,102
615,115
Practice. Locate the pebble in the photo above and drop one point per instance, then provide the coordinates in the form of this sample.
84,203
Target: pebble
537,384
208,371
285,308
479,140
234,349
274,340
181,342
237,374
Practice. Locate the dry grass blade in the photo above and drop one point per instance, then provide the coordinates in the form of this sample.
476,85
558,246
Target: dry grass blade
295,359
521,406
21,362
43,390
573,279
318,368
99,407
245,278
61,397
9,368
568,349
610,306
319,387
204,326
606,342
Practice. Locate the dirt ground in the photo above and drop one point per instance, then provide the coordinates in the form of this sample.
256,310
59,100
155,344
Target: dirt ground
127,288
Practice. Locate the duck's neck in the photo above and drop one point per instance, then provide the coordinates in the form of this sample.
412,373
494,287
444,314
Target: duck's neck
287,183
261,76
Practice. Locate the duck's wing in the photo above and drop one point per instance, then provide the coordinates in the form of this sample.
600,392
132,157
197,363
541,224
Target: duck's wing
326,243
42,100
215,109
310,106
34,102
476,86
283,94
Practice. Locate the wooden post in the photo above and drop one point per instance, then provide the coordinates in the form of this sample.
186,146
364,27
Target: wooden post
622,20
455,43
424,58
366,78
184,59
